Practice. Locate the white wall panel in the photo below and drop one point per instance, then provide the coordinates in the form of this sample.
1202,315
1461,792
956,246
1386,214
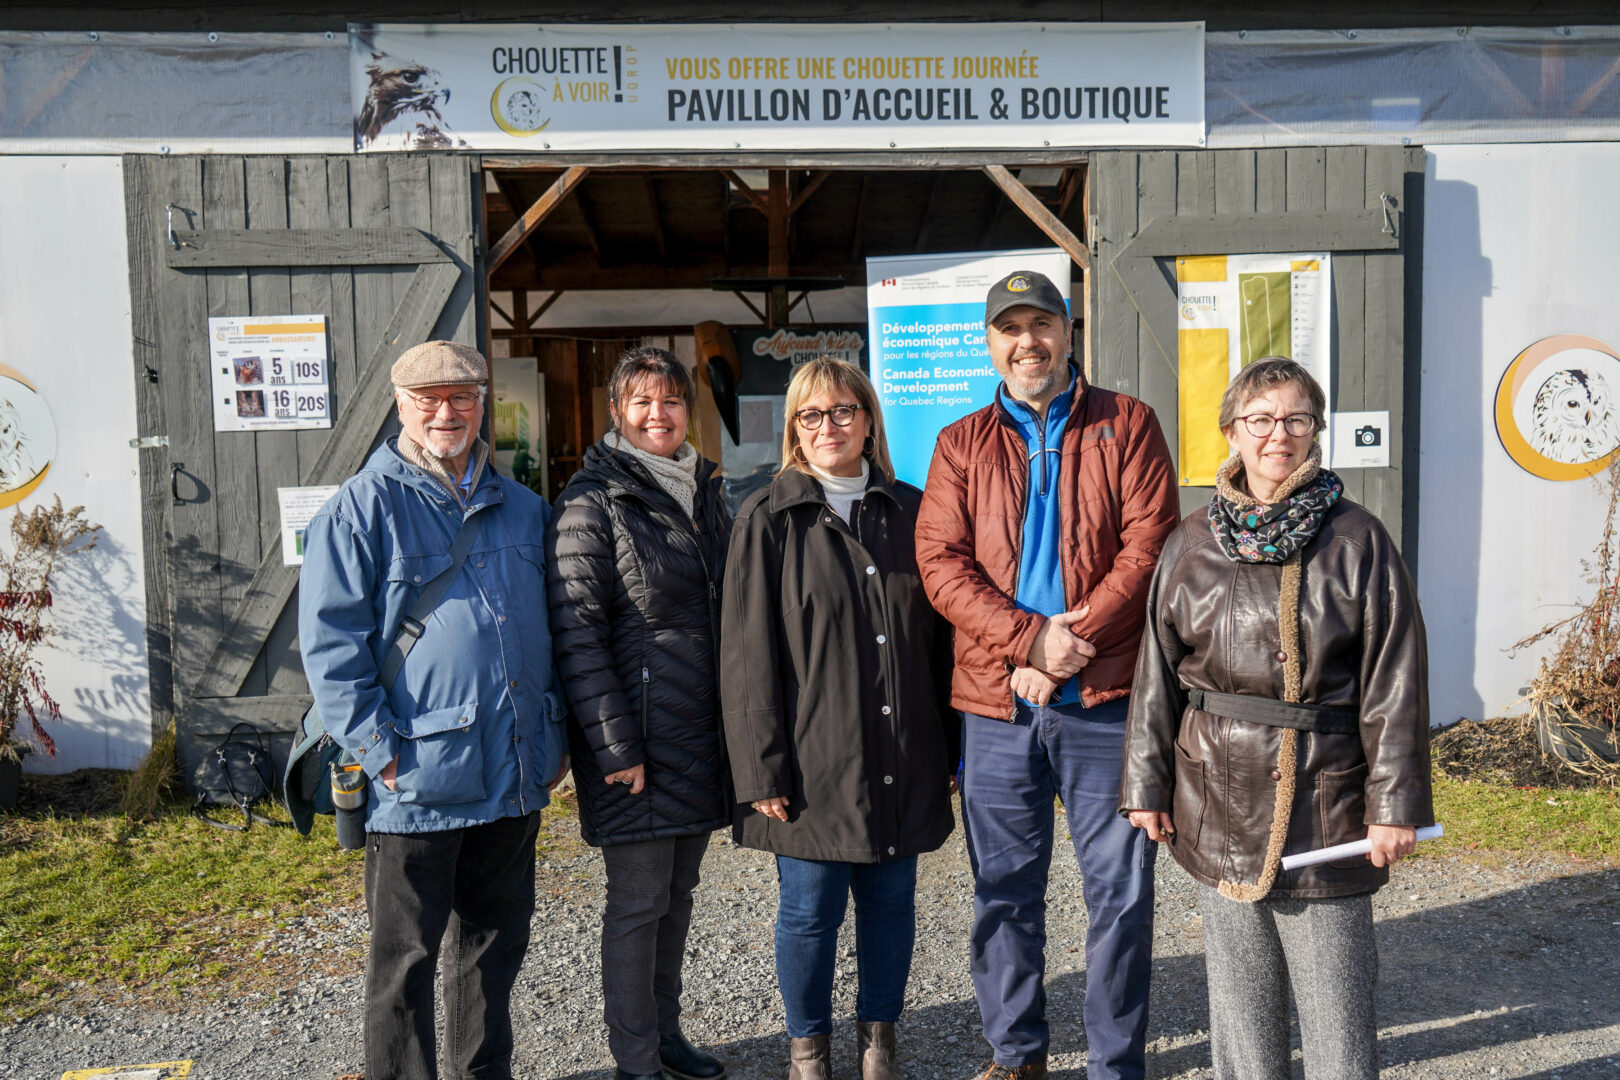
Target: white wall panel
65,325
1518,245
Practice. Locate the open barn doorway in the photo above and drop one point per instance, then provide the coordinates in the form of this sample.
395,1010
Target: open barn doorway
762,266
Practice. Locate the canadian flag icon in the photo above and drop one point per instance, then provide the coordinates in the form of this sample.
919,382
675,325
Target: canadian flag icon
891,281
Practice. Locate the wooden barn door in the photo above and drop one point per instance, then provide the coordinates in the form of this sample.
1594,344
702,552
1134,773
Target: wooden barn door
385,248
1354,202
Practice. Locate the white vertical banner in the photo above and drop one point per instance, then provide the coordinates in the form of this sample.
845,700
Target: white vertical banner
928,358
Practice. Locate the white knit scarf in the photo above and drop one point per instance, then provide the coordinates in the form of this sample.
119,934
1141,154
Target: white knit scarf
676,475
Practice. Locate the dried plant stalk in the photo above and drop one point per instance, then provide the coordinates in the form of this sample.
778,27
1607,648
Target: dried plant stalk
1581,680
40,538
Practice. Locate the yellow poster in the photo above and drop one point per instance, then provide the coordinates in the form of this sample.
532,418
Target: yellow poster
1234,310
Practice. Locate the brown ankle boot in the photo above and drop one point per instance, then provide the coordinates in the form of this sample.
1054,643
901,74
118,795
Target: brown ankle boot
875,1044
812,1058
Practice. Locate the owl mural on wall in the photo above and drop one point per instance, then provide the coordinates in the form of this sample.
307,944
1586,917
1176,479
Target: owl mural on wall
1574,419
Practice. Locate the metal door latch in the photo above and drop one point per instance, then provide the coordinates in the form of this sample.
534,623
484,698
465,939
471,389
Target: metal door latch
149,442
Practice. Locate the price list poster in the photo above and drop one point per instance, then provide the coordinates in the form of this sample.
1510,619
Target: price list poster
270,373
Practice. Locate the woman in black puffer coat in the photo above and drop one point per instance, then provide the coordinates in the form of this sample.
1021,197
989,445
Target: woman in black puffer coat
637,553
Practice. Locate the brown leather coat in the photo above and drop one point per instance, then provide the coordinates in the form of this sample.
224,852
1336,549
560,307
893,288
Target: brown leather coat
1118,498
1213,626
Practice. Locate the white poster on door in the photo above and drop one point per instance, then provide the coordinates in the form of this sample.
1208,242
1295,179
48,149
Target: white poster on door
298,505
270,372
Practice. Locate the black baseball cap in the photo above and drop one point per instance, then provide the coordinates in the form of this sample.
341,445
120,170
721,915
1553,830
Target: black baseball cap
1024,287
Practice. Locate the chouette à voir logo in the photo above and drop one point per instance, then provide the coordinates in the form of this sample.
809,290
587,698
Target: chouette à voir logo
518,106
1557,413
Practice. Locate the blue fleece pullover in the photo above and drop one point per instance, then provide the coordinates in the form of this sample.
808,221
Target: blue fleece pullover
1040,571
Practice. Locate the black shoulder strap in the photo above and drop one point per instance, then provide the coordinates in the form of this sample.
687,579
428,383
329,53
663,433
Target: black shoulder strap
411,629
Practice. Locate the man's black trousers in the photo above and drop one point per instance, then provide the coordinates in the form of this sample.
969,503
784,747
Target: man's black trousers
468,893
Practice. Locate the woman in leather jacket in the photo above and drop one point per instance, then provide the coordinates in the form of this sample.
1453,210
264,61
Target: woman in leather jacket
637,547
1280,705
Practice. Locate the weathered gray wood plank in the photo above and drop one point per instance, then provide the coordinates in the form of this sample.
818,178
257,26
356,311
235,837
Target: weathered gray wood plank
451,199
1234,181
1270,181
273,584
301,246
146,235
182,336
1385,344
1158,174
236,460
1115,364
214,717
1238,234
376,291
1346,190
1307,178
270,290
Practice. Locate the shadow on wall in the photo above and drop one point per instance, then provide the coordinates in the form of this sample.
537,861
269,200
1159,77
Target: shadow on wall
95,667
1456,282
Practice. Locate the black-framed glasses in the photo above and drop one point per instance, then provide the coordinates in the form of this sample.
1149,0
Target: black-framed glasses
1261,425
462,401
842,415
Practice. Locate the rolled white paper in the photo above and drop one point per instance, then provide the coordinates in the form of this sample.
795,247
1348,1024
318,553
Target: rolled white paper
1345,851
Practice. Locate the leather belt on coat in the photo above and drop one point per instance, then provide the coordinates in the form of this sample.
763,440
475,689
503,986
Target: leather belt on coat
1299,715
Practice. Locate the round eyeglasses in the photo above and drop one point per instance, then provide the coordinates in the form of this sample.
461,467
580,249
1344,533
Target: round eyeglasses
842,415
1261,425
464,401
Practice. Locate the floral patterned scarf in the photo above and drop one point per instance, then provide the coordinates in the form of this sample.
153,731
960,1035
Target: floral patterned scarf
1255,532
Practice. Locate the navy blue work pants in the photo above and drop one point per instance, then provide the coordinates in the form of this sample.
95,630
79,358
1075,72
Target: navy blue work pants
1012,771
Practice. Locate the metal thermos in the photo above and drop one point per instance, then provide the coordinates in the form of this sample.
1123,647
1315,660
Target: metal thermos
349,805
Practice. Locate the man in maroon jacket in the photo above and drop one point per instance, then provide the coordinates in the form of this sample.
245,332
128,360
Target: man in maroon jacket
1040,525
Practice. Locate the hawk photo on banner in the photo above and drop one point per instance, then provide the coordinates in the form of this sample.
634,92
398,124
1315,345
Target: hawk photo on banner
401,108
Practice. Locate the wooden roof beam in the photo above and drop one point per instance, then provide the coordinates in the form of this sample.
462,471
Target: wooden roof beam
533,216
505,189
587,218
746,192
808,190
1046,221
662,235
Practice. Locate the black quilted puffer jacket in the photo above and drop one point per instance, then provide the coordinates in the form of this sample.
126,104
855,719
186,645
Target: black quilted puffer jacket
634,589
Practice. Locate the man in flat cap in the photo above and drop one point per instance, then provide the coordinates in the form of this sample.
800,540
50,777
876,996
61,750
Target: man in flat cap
1042,520
460,739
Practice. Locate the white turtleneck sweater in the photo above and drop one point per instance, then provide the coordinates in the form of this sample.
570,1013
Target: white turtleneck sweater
843,492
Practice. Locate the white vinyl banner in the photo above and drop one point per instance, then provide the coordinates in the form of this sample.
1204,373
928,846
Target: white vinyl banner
776,87
929,363
1520,406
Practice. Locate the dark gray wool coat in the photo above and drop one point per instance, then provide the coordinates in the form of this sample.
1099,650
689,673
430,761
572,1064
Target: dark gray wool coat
837,677
634,590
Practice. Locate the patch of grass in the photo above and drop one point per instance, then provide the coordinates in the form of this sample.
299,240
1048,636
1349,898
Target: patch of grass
1482,816
93,903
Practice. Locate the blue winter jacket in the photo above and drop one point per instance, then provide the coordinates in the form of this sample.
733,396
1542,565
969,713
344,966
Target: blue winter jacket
472,718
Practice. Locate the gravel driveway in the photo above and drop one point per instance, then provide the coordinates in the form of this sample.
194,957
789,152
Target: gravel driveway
1490,969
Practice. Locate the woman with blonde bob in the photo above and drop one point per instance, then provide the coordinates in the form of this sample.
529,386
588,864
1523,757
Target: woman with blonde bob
837,709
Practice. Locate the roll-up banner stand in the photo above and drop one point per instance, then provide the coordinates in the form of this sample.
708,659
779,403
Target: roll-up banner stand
927,350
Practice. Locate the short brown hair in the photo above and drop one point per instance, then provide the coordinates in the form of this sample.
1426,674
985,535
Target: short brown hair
1261,376
647,362
831,373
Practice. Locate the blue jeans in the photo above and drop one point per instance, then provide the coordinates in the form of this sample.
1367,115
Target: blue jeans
814,896
1011,773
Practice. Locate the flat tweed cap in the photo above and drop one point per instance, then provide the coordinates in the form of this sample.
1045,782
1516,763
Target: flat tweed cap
439,363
